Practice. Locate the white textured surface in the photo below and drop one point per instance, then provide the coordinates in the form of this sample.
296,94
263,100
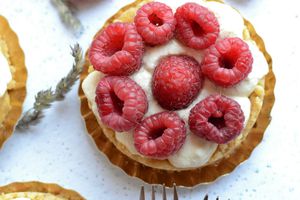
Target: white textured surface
64,154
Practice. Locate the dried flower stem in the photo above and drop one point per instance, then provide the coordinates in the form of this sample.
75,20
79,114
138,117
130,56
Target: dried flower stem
45,98
67,16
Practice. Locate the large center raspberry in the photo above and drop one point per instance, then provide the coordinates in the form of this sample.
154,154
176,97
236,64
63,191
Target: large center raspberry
160,135
217,118
121,102
227,62
117,50
197,27
176,81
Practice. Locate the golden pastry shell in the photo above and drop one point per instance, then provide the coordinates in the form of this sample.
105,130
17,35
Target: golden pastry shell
18,92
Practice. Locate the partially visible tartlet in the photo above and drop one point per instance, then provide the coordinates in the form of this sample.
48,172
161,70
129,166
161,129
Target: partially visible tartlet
37,191
12,80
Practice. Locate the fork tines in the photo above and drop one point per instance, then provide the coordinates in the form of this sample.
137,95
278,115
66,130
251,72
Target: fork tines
164,194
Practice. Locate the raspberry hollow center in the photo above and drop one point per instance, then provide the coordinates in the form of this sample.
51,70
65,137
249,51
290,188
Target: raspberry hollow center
227,62
155,20
156,133
218,122
197,29
118,104
116,45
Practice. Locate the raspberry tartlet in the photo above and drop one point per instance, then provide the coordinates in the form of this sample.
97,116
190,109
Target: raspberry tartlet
193,98
37,191
13,77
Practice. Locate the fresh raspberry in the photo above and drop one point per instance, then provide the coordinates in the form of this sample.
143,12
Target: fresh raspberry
227,62
160,135
176,81
117,50
121,102
217,118
155,22
197,27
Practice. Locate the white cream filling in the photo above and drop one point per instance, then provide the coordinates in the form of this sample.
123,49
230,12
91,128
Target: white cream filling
195,152
5,74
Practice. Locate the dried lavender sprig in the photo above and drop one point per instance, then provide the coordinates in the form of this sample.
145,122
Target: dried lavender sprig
67,16
45,98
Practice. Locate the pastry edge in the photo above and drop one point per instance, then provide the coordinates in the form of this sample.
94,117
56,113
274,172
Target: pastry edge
40,187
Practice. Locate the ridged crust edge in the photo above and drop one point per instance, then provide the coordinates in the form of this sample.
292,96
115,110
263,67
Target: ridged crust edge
35,186
18,92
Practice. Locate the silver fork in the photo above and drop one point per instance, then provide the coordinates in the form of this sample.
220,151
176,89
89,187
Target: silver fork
164,195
